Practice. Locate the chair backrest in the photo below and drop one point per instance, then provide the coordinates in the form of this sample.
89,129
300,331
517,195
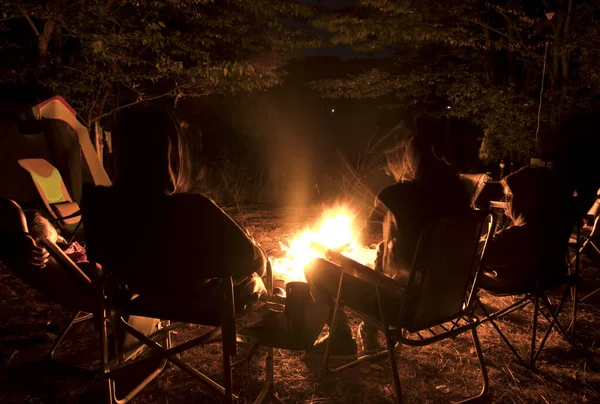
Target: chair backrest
445,270
52,189
171,240
47,179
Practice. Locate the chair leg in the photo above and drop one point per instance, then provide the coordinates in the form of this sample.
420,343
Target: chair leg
393,366
597,290
482,368
104,356
554,323
78,317
536,308
332,330
595,246
333,325
575,292
228,396
502,336
267,393
554,316
589,295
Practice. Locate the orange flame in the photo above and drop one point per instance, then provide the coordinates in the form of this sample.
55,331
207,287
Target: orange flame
335,230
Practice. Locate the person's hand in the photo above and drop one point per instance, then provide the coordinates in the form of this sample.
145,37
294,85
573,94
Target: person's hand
31,253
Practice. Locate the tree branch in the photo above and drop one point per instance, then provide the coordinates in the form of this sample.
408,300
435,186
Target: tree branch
521,44
37,32
138,101
77,70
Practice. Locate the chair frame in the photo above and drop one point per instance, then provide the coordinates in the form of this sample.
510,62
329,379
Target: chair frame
81,278
540,302
580,247
110,315
396,336
77,318
541,306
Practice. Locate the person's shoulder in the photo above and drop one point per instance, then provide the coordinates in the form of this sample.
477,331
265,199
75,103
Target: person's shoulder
403,195
199,202
190,198
398,189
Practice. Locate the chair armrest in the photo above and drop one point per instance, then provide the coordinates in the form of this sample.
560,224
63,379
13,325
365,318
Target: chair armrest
72,215
67,264
66,212
366,274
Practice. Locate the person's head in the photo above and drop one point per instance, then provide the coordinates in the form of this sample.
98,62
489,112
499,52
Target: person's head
152,155
39,227
414,158
533,195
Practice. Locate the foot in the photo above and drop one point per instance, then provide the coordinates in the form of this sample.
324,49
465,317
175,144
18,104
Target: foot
367,339
340,348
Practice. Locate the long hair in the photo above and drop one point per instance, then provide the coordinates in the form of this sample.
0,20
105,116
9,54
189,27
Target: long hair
152,153
39,227
414,158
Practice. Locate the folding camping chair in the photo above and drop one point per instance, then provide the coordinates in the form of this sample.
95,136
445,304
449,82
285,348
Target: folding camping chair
53,192
68,286
215,308
63,282
436,301
532,292
586,236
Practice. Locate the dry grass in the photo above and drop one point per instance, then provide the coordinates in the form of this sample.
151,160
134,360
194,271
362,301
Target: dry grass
442,372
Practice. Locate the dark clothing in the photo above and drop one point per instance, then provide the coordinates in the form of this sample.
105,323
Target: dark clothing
169,245
536,241
404,210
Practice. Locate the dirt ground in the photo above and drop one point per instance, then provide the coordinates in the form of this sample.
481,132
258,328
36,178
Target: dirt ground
442,372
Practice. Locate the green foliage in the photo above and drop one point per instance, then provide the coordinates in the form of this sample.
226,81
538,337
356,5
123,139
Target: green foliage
100,54
485,60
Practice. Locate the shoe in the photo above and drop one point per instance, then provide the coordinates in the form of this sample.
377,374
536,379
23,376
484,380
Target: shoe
367,340
342,348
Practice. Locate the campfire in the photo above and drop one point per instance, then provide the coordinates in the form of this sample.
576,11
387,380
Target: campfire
336,230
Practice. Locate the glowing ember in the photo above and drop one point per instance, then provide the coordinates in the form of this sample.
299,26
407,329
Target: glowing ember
335,230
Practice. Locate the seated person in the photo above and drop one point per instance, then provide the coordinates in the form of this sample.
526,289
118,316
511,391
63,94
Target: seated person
16,244
427,190
171,245
34,265
537,206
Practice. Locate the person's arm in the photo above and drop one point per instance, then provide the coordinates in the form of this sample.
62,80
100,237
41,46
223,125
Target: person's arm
12,219
16,245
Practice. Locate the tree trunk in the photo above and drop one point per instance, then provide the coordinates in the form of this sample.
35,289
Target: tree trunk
44,40
489,65
566,55
99,141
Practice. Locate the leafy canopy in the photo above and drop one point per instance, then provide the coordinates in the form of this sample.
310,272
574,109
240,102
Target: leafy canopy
484,60
100,54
